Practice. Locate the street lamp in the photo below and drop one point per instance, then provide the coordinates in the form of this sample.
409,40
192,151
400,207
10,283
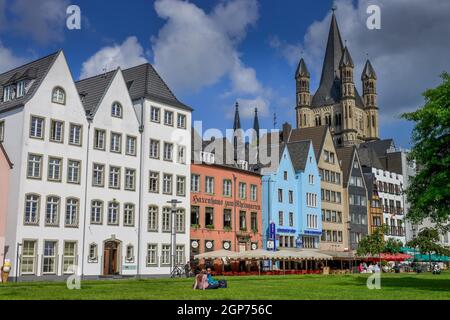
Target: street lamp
173,239
17,260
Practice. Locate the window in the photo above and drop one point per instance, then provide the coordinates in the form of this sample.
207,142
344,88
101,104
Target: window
20,89
59,95
128,215
311,179
181,186
54,169
75,132
52,211
7,93
98,175
2,131
31,216
168,118
73,171
209,217
254,221
181,155
166,221
69,256
116,142
71,212
153,218
242,190
130,146
242,221
165,254
93,252
155,114
291,219
227,219
179,255
114,177
195,183
253,192
167,184
154,149
227,188
179,222
37,127
280,195
96,212
28,259
209,185
56,131
181,121
129,256
285,175
195,216
113,213
152,254
99,139
49,258
130,179
280,218
153,184
116,110
291,196
168,151
34,166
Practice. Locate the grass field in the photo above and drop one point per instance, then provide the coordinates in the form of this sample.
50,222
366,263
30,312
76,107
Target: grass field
307,287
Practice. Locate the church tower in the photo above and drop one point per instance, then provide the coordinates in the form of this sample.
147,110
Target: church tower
369,81
303,109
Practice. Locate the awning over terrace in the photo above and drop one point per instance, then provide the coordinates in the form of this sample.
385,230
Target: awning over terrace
262,254
219,254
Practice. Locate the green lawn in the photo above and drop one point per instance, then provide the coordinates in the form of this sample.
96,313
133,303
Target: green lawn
393,286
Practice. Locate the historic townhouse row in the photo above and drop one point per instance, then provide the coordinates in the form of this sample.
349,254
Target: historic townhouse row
96,162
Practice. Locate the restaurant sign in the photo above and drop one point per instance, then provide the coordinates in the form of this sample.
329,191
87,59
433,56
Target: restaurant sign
227,203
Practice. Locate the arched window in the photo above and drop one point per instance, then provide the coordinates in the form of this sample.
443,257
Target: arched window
59,95
116,110
304,120
318,121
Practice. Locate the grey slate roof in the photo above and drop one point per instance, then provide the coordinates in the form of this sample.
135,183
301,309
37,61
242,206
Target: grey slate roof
379,146
34,71
302,70
92,90
346,155
368,157
329,91
298,152
368,72
144,82
346,59
315,134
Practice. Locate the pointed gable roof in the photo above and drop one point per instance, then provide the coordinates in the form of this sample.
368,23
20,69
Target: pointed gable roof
346,156
298,152
34,71
317,136
368,72
92,90
368,157
302,70
346,60
144,82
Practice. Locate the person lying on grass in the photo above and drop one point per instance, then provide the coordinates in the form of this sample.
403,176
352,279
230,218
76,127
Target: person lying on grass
201,281
213,283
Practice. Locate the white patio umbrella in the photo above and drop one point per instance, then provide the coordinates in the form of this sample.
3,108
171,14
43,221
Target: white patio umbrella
219,254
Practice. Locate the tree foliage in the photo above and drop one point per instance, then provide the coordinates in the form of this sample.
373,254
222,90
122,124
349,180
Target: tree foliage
374,244
392,246
429,191
427,241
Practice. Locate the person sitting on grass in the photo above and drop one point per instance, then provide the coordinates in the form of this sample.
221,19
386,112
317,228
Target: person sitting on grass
201,281
213,283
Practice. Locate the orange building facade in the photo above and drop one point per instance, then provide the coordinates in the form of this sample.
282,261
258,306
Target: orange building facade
225,209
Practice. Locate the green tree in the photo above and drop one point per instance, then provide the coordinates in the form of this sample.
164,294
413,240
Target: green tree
373,244
429,191
427,241
392,246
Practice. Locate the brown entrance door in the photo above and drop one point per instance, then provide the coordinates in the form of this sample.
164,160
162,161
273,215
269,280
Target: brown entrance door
110,265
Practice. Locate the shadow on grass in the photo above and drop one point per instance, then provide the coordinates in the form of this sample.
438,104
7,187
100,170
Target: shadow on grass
435,284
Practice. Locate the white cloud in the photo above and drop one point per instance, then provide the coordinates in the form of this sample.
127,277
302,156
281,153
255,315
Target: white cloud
43,20
8,60
195,49
247,108
408,53
128,54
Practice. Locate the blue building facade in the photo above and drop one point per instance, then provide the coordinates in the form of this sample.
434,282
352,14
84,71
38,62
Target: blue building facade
291,199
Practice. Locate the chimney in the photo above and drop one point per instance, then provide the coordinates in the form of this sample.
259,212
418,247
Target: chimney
287,128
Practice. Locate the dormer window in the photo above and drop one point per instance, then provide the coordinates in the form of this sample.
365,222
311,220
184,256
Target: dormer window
116,110
20,89
7,93
243,164
59,95
207,157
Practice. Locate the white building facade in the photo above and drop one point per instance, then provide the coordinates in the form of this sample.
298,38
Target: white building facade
390,190
79,194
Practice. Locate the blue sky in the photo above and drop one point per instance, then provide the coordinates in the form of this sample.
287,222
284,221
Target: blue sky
212,53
